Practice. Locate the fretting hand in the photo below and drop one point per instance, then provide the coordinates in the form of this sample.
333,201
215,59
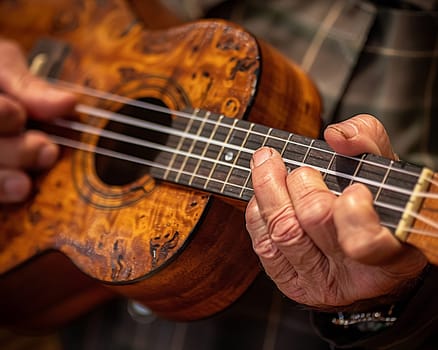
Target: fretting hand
23,96
321,250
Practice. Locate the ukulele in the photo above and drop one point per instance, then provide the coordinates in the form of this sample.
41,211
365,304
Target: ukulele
146,199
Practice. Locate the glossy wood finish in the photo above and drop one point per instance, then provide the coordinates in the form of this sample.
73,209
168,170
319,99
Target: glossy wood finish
425,232
183,253
153,14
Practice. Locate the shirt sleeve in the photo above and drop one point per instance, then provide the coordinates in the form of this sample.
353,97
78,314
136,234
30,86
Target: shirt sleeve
416,326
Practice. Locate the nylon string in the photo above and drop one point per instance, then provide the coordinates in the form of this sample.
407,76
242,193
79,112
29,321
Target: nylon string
128,120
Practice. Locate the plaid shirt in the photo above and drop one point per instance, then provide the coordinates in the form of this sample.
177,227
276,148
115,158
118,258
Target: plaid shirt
363,59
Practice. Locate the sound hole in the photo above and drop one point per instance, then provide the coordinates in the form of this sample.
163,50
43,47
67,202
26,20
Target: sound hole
117,172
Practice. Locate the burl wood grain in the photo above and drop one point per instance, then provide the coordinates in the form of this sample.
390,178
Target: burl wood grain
181,252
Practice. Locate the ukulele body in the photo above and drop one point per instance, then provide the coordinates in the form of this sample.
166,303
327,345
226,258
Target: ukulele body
93,230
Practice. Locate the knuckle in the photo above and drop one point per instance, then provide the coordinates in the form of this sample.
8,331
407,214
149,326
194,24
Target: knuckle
315,209
268,176
282,224
12,116
261,180
14,186
22,151
373,127
301,175
264,247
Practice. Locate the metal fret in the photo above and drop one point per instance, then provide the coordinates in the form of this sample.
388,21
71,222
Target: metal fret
266,137
238,173
213,133
190,150
356,171
236,158
295,150
308,151
377,170
210,177
246,190
283,150
219,162
179,146
332,159
383,181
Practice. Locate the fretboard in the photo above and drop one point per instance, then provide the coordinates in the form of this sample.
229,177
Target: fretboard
212,153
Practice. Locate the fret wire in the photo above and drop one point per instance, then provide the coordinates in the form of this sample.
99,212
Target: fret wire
236,157
219,154
285,144
380,188
98,150
283,150
105,133
232,166
206,147
192,145
114,154
96,112
332,159
309,147
356,171
248,177
180,144
266,138
383,180
198,163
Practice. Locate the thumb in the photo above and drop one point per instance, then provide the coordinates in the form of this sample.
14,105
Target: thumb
40,99
360,134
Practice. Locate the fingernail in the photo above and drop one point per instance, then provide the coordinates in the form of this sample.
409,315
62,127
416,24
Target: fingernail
54,93
42,88
15,188
260,156
346,129
47,155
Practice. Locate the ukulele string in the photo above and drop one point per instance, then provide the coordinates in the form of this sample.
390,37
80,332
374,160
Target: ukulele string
114,154
128,120
411,213
109,115
88,129
113,116
148,125
84,128
411,230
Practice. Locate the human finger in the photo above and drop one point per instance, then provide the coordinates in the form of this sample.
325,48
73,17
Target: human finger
362,237
40,99
269,180
14,186
31,150
282,229
274,262
268,211
12,116
313,203
360,134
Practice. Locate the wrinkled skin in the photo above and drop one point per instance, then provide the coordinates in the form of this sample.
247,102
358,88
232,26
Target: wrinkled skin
322,250
24,96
